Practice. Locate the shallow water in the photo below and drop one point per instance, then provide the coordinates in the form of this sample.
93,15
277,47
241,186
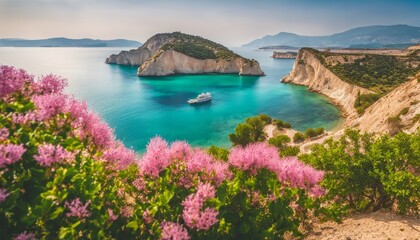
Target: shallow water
140,108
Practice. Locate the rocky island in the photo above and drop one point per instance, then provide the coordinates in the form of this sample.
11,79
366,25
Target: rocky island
284,55
179,53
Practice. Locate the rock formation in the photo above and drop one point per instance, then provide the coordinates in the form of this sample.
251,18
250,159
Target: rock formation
178,53
398,110
284,55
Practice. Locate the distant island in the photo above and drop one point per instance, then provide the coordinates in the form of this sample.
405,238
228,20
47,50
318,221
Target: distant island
394,36
67,42
284,55
179,53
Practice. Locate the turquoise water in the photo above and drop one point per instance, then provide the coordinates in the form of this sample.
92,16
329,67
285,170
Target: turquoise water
140,108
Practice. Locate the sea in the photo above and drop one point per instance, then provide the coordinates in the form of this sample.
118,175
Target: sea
139,108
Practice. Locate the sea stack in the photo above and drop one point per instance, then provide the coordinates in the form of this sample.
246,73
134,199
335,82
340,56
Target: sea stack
179,53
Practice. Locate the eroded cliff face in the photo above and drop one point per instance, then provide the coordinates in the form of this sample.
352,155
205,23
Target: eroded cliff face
137,57
309,71
171,62
387,116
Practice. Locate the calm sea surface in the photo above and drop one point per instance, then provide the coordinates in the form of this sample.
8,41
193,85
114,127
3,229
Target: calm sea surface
140,108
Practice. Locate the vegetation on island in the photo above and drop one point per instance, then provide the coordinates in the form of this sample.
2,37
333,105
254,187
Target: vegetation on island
65,176
198,47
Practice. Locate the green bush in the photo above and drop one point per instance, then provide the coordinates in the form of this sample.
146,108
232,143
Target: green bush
368,173
364,101
281,124
313,132
250,131
265,118
298,137
281,142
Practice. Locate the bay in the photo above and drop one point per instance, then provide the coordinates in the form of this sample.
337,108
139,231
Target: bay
141,108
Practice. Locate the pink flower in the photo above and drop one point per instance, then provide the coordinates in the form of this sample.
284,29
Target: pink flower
25,236
180,150
112,216
139,183
127,211
120,156
49,154
23,118
4,133
50,84
156,158
10,153
147,217
3,194
253,157
49,106
12,80
174,231
220,172
77,209
192,214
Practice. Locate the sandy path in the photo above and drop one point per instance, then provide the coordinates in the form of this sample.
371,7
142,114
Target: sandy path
381,225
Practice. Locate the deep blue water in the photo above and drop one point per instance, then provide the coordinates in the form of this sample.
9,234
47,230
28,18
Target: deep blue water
140,108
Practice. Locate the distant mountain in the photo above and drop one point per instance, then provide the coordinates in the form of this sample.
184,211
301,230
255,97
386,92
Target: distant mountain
67,42
369,37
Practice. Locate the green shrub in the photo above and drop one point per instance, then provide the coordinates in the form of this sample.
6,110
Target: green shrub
250,131
298,137
282,144
313,132
368,173
281,124
364,101
265,118
219,153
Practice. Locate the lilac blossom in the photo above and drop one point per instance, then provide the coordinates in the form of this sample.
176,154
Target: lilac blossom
78,209
156,158
48,106
4,133
50,84
49,154
25,236
180,150
3,194
173,231
12,80
112,216
10,153
120,156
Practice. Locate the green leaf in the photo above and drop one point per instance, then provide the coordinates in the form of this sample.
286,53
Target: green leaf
133,225
56,213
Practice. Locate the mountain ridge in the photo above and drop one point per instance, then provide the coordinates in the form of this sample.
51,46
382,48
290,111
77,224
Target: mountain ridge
67,42
377,35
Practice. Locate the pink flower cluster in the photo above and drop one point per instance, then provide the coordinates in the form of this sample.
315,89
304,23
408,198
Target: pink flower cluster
10,153
24,118
77,209
25,236
159,156
49,154
288,170
50,84
120,156
193,216
112,215
3,194
156,158
12,80
49,106
4,133
173,231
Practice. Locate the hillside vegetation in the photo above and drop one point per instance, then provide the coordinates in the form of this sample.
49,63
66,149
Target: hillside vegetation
198,47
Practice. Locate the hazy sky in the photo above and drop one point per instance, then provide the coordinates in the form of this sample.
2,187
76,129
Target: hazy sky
230,22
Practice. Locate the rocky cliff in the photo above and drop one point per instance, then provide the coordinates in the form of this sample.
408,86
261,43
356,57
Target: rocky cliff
178,53
172,62
309,71
398,110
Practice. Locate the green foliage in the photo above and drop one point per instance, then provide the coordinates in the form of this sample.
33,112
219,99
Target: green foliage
298,137
301,61
368,173
281,142
250,131
219,153
198,47
281,124
364,101
265,118
313,132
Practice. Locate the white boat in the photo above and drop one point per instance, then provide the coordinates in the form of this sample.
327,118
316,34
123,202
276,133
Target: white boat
202,98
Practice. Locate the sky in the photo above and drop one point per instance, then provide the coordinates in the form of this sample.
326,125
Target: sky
230,22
